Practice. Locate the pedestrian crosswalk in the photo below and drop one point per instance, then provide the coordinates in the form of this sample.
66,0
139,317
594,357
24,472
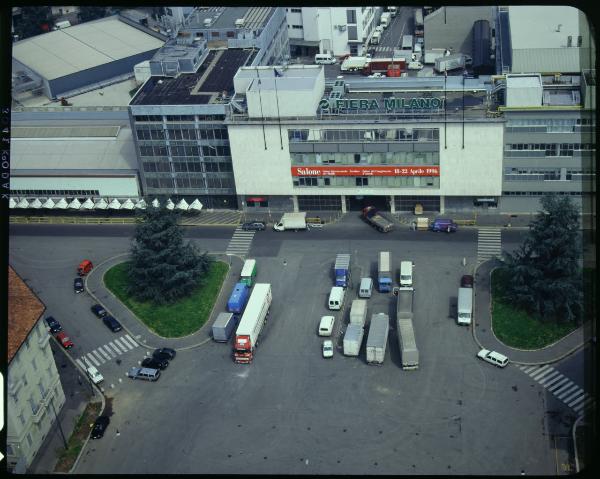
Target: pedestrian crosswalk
240,242
561,386
383,48
107,352
489,243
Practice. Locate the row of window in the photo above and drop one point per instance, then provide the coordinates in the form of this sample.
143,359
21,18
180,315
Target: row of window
541,193
55,192
372,181
383,134
184,167
549,122
550,146
189,182
539,174
396,158
148,118
191,151
180,133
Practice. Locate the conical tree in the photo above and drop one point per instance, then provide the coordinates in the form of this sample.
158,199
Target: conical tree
163,267
544,273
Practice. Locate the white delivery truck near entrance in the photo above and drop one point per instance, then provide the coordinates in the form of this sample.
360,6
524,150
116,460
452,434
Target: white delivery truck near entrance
252,322
352,64
358,312
385,19
465,306
291,221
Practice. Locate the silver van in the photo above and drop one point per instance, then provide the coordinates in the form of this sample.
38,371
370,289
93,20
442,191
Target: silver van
465,306
325,59
366,288
336,297
144,373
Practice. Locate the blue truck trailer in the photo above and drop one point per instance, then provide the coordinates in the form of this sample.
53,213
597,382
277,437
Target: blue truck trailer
238,299
342,270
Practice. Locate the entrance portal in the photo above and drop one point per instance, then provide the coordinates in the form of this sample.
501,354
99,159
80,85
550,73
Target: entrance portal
357,203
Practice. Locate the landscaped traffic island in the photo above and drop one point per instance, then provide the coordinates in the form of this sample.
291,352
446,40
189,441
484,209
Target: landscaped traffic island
175,320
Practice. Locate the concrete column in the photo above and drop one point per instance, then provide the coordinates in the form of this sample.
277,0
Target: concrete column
442,204
295,203
392,204
343,203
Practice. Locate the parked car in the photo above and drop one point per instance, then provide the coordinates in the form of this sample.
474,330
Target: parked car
64,340
466,281
254,226
146,374
154,363
100,425
327,348
78,285
112,324
493,357
99,311
441,224
53,324
164,353
326,325
94,375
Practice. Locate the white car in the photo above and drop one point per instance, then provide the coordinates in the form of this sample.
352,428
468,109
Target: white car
327,348
326,325
94,375
377,75
493,357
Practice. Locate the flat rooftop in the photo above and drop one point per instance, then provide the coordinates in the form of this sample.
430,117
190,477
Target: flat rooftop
81,47
543,26
213,77
255,18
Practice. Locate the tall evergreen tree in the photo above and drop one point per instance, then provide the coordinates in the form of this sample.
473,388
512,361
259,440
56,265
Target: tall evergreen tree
544,273
163,268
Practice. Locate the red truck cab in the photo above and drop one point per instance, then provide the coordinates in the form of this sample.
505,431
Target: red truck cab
84,267
242,349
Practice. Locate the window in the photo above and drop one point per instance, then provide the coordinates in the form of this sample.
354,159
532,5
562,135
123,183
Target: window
22,418
230,34
298,135
33,405
29,441
362,181
34,364
214,34
352,34
351,16
296,10
297,27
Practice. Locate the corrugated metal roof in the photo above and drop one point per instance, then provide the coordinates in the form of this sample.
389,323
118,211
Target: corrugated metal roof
545,60
535,26
65,131
71,50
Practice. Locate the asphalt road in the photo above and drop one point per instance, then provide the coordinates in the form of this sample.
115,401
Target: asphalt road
292,411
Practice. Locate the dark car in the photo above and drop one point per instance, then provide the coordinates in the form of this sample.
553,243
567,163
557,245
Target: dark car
78,285
155,363
441,224
112,323
164,353
100,425
53,324
466,281
254,226
99,311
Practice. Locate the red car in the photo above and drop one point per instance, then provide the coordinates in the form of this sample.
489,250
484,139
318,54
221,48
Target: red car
64,340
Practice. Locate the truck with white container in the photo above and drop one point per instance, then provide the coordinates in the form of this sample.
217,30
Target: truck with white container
291,221
464,306
358,312
377,339
376,38
353,339
353,64
385,19
404,325
384,272
252,323
449,62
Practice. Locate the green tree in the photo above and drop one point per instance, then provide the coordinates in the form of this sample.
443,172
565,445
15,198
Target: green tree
91,13
163,268
31,21
544,275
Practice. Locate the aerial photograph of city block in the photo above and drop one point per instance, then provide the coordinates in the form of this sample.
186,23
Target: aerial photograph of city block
323,240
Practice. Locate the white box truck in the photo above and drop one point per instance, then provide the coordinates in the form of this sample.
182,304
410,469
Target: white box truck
291,221
406,274
358,312
352,64
385,19
376,38
465,306
449,62
377,339
431,55
353,339
406,335
252,322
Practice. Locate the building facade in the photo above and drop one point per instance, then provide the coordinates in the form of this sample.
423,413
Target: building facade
34,392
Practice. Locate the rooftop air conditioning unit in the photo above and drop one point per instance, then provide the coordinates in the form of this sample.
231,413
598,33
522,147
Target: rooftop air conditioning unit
207,22
239,23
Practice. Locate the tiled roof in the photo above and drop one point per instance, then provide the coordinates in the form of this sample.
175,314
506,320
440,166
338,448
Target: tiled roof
24,310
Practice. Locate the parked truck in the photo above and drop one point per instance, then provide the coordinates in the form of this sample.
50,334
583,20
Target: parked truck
238,299
449,62
419,27
383,65
376,38
252,322
341,269
353,64
385,19
430,56
384,272
404,325
353,339
464,306
223,327
377,339
372,216
358,312
291,221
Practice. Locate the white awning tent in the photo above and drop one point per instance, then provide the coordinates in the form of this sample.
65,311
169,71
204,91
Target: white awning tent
114,204
182,205
170,205
127,205
141,205
156,203
101,204
12,203
87,204
48,204
195,205
75,204
36,203
61,204
23,203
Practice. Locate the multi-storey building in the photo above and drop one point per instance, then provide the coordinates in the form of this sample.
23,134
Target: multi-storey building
34,392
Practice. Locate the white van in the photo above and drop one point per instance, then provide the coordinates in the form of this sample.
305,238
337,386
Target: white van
325,59
366,288
336,298
326,325
94,375
406,274
465,306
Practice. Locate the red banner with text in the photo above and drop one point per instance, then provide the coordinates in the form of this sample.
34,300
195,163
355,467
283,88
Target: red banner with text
365,171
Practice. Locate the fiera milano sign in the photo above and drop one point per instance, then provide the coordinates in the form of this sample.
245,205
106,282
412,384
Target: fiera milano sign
388,104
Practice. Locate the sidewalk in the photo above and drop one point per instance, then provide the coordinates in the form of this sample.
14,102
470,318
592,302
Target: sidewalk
487,219
485,338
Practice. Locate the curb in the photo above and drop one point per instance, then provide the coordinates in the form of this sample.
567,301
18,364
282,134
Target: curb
575,424
88,437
